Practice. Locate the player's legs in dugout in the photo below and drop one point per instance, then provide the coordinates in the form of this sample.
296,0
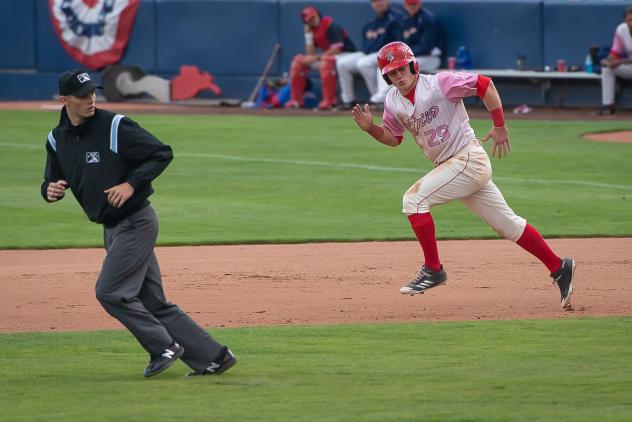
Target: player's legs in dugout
367,66
346,67
608,82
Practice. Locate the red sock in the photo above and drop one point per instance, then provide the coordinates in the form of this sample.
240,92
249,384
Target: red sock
532,241
423,226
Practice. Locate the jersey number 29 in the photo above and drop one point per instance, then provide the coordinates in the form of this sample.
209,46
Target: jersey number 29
437,136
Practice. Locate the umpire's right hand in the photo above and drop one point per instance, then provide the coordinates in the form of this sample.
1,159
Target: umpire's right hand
56,190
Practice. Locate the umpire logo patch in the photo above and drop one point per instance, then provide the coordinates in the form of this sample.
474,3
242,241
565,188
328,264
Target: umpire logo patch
92,157
83,77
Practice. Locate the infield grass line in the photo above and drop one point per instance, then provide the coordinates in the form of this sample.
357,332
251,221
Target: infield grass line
394,169
361,167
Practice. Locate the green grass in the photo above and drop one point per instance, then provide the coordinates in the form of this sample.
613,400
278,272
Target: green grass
568,369
244,179
240,179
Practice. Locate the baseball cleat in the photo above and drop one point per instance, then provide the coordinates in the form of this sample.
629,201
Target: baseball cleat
563,278
157,364
293,105
325,105
424,280
221,364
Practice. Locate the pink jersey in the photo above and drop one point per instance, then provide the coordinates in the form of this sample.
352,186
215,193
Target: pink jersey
438,120
622,42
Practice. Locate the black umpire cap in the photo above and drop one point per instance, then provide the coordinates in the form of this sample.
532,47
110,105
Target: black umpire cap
76,82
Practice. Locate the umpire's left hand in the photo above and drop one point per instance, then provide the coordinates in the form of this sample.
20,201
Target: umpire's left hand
119,194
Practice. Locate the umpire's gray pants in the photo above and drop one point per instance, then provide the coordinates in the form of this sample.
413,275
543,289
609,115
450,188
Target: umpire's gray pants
130,289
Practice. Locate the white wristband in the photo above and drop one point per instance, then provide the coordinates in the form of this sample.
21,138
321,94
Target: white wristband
309,38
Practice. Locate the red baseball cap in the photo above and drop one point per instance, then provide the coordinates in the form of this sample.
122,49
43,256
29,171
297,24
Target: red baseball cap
412,2
308,13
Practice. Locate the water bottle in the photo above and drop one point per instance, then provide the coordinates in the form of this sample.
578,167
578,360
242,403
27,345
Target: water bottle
463,59
588,64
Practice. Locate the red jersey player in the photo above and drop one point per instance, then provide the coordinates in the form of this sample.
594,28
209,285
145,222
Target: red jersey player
320,32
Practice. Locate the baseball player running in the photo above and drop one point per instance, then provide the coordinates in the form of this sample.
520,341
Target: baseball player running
109,162
431,108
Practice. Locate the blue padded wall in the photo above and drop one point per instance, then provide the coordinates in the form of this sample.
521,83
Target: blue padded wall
141,49
494,32
51,56
22,86
17,34
571,28
233,39
222,37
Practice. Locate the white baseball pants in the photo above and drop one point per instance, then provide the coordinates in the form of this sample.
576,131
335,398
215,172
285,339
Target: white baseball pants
467,177
316,65
356,63
608,80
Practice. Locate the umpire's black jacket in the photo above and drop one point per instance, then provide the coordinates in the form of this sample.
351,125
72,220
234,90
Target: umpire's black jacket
105,150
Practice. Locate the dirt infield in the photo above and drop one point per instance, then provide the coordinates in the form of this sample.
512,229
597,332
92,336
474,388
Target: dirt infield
326,283
618,137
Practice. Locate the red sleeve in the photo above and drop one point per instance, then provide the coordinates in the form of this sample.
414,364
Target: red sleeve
482,83
617,44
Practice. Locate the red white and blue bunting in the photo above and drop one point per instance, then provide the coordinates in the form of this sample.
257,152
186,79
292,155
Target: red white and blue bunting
93,32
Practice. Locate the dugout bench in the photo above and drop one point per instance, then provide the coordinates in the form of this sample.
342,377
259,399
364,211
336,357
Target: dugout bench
543,80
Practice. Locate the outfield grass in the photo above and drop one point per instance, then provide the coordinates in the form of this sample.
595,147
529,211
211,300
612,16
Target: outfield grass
242,179
570,369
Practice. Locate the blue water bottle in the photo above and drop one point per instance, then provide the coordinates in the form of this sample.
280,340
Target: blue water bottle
463,59
588,64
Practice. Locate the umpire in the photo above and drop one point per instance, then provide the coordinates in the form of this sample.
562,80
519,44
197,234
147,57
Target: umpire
109,161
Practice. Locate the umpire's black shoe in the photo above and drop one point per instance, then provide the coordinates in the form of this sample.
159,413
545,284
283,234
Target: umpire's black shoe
424,280
158,364
221,364
564,280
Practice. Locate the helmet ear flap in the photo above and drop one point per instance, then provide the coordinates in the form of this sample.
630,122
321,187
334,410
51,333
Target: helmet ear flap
387,80
414,67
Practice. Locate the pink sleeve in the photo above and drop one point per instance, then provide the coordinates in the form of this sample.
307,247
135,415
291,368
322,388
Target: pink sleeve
390,122
617,45
457,85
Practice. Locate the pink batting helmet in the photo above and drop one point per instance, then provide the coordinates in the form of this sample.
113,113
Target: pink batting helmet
395,55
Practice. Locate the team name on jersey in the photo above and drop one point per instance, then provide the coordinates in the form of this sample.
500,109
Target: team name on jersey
414,124
371,35
407,33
